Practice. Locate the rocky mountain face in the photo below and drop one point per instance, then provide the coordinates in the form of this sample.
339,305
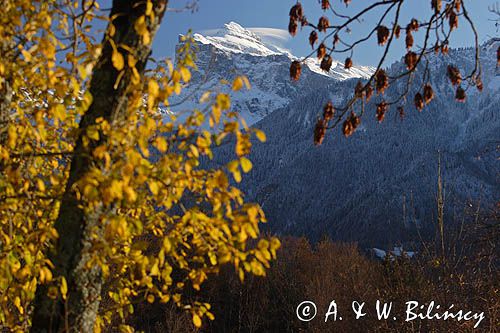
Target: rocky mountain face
379,186
234,51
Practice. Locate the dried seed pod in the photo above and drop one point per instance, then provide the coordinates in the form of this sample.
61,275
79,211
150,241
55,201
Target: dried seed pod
454,75
453,20
479,84
325,4
444,49
381,81
296,12
458,5
409,40
347,2
411,60
321,51
368,92
292,27
326,63
348,63
460,94
412,26
313,38
319,132
336,39
323,24
347,128
397,31
355,120
436,5
382,34
381,110
428,93
419,101
350,124
303,21
436,48
328,111
498,56
358,90
447,10
295,70
401,112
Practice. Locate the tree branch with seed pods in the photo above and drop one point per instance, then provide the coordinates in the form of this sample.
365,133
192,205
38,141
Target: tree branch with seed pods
325,39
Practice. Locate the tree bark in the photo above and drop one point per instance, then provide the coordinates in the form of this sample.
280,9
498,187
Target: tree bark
6,94
5,100
72,250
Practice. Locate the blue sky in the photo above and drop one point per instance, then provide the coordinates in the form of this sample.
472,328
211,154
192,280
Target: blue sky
212,14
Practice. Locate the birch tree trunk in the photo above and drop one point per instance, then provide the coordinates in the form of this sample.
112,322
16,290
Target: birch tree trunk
69,256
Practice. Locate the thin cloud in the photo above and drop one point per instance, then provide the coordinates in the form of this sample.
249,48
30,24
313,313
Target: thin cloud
275,39
280,35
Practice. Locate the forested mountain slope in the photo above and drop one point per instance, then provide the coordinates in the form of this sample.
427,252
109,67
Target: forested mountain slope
379,185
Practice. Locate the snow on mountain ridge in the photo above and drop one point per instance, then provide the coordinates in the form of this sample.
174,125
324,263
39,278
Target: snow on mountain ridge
233,50
233,38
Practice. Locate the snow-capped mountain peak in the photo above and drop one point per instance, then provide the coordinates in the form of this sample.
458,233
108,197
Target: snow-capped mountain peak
234,38
234,50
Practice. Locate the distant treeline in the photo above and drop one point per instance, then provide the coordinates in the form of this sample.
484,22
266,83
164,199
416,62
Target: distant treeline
465,275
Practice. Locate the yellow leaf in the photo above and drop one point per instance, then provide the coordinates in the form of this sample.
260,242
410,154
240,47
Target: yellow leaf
237,84
45,275
246,165
167,245
246,82
177,88
241,81
196,320
93,133
153,187
185,74
131,60
154,270
260,135
26,55
161,144
117,59
130,194
232,166
82,71
216,113
195,151
241,274
115,189
60,112
64,288
153,88
40,184
223,101
237,176
204,98
149,8
17,303
12,136
140,25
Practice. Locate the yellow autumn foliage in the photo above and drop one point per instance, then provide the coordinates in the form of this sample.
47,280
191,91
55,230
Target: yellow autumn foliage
165,223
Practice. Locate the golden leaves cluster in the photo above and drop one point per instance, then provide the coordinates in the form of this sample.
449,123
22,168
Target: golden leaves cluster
166,222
